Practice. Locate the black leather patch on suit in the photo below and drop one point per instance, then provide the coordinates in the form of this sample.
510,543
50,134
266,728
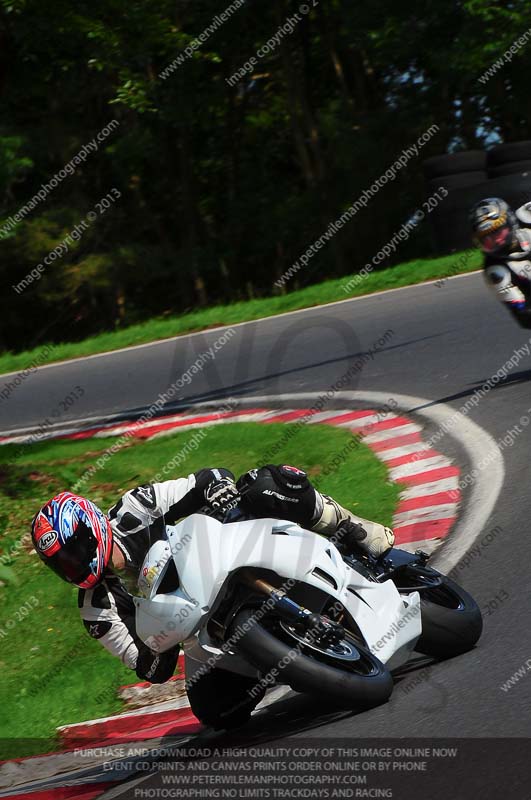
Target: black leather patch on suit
289,477
97,629
100,597
128,522
270,496
113,512
145,495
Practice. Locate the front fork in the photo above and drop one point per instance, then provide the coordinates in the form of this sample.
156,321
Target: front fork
321,628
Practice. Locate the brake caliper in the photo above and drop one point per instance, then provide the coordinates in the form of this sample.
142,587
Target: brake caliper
325,630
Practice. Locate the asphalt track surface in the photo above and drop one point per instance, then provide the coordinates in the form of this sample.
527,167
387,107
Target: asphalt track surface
440,343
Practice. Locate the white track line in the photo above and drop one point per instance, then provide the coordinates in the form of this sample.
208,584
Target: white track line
483,493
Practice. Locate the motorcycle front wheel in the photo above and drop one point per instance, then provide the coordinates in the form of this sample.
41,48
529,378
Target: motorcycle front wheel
346,673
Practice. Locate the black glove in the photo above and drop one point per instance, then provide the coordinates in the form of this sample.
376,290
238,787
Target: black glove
348,536
156,667
221,495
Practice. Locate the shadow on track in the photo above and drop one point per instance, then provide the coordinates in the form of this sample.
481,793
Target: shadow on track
247,387
524,376
293,714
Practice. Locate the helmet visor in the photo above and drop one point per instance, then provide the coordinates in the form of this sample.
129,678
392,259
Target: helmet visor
73,562
492,242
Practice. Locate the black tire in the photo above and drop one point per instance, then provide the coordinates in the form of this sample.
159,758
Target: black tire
365,689
448,631
458,181
454,163
515,189
222,700
523,317
506,153
512,168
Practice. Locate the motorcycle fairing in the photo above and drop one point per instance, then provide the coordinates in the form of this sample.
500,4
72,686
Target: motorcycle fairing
206,552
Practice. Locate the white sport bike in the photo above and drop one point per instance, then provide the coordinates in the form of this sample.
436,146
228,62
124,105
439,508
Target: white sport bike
263,602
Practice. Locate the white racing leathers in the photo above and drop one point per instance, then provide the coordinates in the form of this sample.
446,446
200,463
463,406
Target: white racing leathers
510,277
139,520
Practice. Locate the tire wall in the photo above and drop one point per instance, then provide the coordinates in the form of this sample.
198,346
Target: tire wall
504,171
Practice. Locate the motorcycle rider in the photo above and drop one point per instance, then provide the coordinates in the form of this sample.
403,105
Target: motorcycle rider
101,554
504,236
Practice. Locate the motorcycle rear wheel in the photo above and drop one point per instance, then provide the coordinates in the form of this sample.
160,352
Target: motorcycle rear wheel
451,621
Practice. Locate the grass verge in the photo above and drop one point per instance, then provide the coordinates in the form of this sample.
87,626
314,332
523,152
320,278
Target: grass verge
52,672
327,292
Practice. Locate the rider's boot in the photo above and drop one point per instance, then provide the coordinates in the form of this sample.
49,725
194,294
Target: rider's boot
350,532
